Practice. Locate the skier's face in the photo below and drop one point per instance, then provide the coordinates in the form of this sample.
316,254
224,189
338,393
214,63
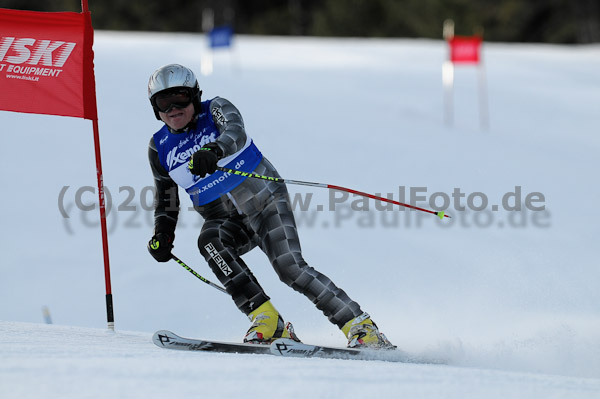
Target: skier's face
178,118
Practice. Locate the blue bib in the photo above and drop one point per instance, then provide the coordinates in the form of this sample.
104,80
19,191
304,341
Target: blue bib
176,149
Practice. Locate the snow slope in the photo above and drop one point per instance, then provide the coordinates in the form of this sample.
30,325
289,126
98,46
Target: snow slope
510,297
42,361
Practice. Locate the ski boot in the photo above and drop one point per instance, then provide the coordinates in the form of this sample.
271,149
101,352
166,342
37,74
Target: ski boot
268,325
362,333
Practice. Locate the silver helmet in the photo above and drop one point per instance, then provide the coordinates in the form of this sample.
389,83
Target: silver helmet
173,76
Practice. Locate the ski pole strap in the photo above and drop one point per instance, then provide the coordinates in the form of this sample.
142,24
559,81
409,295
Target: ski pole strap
440,214
189,269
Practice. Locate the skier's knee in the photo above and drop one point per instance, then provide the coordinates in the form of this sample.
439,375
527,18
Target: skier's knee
289,269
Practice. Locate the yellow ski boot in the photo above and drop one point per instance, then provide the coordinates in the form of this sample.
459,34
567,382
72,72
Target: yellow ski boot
363,333
268,325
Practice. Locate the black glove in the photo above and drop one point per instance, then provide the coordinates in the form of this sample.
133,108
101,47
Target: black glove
160,246
204,161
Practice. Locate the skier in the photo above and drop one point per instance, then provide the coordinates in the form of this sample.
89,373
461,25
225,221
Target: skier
239,213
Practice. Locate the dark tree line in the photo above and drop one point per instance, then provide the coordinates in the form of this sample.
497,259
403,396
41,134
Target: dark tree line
551,21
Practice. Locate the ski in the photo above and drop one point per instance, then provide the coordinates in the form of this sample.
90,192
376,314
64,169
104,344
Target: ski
290,348
167,339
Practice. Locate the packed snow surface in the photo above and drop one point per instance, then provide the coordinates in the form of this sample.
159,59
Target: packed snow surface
509,297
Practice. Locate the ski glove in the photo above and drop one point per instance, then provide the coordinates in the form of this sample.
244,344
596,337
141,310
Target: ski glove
204,161
160,247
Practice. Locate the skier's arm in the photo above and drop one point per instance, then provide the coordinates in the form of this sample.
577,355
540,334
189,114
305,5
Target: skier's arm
232,134
166,198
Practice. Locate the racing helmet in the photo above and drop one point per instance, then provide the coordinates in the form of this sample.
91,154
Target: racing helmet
171,86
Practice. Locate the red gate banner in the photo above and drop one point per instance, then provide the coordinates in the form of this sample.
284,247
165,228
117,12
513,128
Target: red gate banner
47,63
465,50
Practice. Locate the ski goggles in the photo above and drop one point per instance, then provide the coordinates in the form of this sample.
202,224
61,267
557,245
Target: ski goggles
175,98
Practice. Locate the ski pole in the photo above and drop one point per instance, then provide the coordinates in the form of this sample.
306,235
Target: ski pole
189,269
441,214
